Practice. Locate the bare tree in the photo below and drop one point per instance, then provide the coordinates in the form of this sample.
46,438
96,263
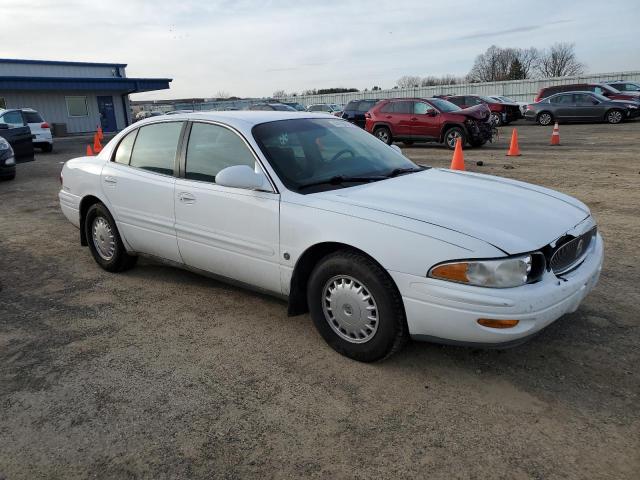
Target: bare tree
560,61
529,59
222,94
409,81
496,64
279,94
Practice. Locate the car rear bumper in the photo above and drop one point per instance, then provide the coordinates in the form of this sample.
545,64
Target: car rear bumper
449,312
7,171
70,206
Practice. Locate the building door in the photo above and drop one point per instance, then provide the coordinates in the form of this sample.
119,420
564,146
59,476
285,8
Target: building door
107,113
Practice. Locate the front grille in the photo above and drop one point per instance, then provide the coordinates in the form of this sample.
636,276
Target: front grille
570,251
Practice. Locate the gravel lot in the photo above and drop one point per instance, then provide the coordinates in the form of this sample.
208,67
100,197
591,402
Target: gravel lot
160,373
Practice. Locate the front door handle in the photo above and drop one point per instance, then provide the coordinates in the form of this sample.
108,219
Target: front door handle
414,119
186,197
110,180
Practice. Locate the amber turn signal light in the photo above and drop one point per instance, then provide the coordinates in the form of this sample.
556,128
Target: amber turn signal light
492,323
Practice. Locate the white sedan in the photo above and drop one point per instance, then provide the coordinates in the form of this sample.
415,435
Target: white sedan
315,210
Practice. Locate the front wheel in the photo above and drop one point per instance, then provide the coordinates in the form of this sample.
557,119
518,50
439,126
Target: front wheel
104,240
477,143
452,135
384,134
614,116
496,119
356,307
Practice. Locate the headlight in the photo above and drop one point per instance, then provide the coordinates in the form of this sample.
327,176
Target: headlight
498,273
4,145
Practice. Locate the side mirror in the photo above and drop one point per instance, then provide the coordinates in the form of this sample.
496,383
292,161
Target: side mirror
431,113
242,176
4,126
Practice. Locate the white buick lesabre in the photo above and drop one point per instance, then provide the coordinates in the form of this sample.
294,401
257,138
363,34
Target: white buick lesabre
314,209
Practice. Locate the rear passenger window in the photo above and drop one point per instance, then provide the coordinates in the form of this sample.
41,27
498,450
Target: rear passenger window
403,107
32,117
212,148
123,153
155,147
365,106
388,108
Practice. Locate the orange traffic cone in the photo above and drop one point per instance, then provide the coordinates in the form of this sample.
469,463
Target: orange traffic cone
100,134
97,147
555,136
89,151
457,162
514,149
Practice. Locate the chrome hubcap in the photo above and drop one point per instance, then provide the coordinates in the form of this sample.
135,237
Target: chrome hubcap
615,117
452,138
383,135
495,118
103,238
545,119
350,309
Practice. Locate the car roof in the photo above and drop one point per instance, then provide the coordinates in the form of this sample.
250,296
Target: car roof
241,118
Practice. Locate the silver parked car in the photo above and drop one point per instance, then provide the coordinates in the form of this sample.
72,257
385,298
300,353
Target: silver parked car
581,107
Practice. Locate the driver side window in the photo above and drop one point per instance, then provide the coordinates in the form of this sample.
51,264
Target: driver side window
420,108
212,148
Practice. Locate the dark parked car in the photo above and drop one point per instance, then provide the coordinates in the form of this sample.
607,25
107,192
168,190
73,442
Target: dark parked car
502,113
623,86
270,107
7,161
429,120
580,107
15,130
355,110
295,105
600,88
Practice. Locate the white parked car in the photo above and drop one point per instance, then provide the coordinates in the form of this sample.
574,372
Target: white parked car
40,129
330,108
314,209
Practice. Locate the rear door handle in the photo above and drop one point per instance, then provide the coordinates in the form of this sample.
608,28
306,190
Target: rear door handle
388,116
186,197
414,119
110,180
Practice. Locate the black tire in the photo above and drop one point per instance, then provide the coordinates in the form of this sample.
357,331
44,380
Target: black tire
8,177
407,143
120,260
614,116
383,134
47,147
392,332
496,119
453,132
544,118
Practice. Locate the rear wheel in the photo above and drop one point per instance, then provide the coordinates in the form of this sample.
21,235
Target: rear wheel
104,240
496,119
452,135
356,307
614,116
408,143
544,118
384,134
47,147
477,143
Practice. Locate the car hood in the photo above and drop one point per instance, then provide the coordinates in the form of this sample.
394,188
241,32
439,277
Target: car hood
513,216
479,112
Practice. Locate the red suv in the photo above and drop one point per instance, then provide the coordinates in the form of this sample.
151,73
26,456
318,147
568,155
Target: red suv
501,113
428,120
603,89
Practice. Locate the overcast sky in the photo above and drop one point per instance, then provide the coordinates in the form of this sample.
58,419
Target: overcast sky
252,48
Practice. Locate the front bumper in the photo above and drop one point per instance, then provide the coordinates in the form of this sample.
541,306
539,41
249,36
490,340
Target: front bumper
448,312
7,164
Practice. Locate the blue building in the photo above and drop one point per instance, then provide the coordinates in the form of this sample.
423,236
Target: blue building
80,95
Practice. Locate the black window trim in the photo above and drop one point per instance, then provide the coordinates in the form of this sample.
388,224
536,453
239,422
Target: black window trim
182,153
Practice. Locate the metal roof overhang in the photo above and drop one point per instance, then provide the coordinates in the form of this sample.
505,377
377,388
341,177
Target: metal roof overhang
125,85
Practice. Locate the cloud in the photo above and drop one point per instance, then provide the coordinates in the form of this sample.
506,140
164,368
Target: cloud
252,47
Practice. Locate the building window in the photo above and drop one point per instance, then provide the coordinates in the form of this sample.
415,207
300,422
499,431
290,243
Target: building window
3,104
77,106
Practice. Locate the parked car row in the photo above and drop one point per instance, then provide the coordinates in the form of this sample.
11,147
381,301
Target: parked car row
586,102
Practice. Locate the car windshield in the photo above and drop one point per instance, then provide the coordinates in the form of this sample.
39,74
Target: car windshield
506,99
602,98
610,88
283,108
308,151
627,87
444,105
487,99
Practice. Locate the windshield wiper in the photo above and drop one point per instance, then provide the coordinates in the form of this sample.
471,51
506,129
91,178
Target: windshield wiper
399,171
340,179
